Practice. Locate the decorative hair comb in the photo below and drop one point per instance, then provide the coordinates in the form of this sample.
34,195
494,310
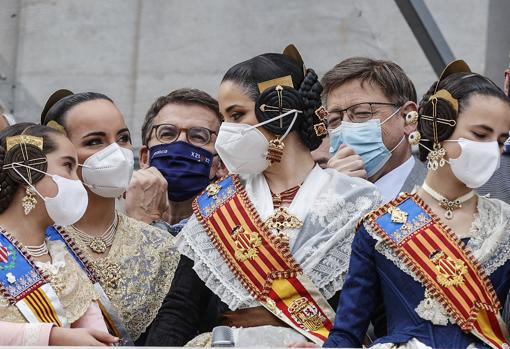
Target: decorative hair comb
24,139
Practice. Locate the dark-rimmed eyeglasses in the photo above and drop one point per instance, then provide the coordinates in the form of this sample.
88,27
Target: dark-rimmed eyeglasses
169,133
360,112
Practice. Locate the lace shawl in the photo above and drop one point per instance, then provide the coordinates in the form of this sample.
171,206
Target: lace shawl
72,286
329,204
137,272
489,243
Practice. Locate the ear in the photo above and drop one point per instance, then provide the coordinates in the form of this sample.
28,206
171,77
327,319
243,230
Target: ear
407,108
144,157
506,82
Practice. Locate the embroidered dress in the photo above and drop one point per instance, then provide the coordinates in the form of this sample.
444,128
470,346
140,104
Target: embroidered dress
328,206
137,272
421,311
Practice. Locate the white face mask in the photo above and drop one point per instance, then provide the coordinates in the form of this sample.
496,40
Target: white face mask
107,173
243,148
70,203
477,162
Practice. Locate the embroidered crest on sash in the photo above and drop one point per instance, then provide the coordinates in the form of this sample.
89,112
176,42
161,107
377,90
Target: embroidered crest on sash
448,271
261,260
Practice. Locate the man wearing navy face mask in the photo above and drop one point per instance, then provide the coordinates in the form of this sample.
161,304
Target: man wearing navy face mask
177,158
372,117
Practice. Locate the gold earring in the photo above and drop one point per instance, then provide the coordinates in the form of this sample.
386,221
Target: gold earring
435,158
412,118
414,138
29,201
275,150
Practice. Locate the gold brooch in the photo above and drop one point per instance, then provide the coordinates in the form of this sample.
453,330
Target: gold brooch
213,189
450,271
281,220
246,243
397,215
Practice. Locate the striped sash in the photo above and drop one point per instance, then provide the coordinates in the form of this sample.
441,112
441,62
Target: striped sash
26,286
445,267
261,261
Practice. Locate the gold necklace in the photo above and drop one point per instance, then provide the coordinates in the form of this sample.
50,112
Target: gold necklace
99,244
448,205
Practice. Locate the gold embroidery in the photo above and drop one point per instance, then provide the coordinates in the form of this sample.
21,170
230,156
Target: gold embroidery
306,314
397,215
147,260
450,271
246,243
213,189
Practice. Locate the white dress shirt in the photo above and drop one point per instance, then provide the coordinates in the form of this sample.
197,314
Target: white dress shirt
391,183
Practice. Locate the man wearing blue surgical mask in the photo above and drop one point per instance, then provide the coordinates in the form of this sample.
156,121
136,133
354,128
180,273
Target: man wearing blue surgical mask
177,158
372,113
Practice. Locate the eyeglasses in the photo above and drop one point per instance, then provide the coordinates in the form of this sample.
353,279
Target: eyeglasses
358,113
168,133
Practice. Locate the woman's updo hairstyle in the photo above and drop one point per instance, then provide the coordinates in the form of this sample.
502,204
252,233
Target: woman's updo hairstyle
461,84
279,83
25,152
60,102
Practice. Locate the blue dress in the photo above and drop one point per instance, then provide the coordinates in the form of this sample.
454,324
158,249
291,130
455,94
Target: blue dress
373,278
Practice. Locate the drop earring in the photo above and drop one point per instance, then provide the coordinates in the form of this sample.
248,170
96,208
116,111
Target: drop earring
275,150
29,201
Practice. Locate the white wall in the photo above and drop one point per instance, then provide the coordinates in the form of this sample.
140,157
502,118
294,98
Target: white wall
136,50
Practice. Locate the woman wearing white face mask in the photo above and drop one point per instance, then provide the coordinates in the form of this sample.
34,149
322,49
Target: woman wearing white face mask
134,261
267,248
46,298
439,258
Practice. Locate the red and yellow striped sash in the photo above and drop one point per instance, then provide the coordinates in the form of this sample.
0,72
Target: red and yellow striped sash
445,267
261,261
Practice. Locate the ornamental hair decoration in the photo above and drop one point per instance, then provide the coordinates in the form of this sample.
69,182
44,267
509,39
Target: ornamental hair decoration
26,152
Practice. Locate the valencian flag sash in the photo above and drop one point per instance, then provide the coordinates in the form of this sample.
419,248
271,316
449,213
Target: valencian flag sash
444,266
262,261
26,286
112,320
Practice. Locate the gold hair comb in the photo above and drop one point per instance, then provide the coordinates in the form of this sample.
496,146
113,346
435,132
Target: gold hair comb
444,94
24,139
56,126
282,81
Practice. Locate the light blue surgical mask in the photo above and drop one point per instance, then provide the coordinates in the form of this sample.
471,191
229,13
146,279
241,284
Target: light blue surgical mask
365,138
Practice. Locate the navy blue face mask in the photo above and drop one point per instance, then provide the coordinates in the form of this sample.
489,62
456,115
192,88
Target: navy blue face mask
185,167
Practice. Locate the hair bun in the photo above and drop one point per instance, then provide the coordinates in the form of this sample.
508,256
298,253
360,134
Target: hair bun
275,101
28,155
310,91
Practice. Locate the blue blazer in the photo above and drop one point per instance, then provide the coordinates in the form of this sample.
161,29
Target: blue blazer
373,279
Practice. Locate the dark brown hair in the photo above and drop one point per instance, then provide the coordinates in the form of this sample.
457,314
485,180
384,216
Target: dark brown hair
184,96
386,75
10,180
461,86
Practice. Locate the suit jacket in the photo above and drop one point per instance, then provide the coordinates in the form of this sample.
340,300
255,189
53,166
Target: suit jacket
416,177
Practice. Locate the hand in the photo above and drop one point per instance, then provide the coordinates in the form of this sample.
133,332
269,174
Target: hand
80,337
147,196
303,345
346,161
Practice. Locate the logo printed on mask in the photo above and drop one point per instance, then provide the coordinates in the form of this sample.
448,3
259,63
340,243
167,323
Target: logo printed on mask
185,167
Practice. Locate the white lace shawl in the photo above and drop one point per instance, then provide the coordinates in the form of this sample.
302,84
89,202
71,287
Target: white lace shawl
328,203
489,243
